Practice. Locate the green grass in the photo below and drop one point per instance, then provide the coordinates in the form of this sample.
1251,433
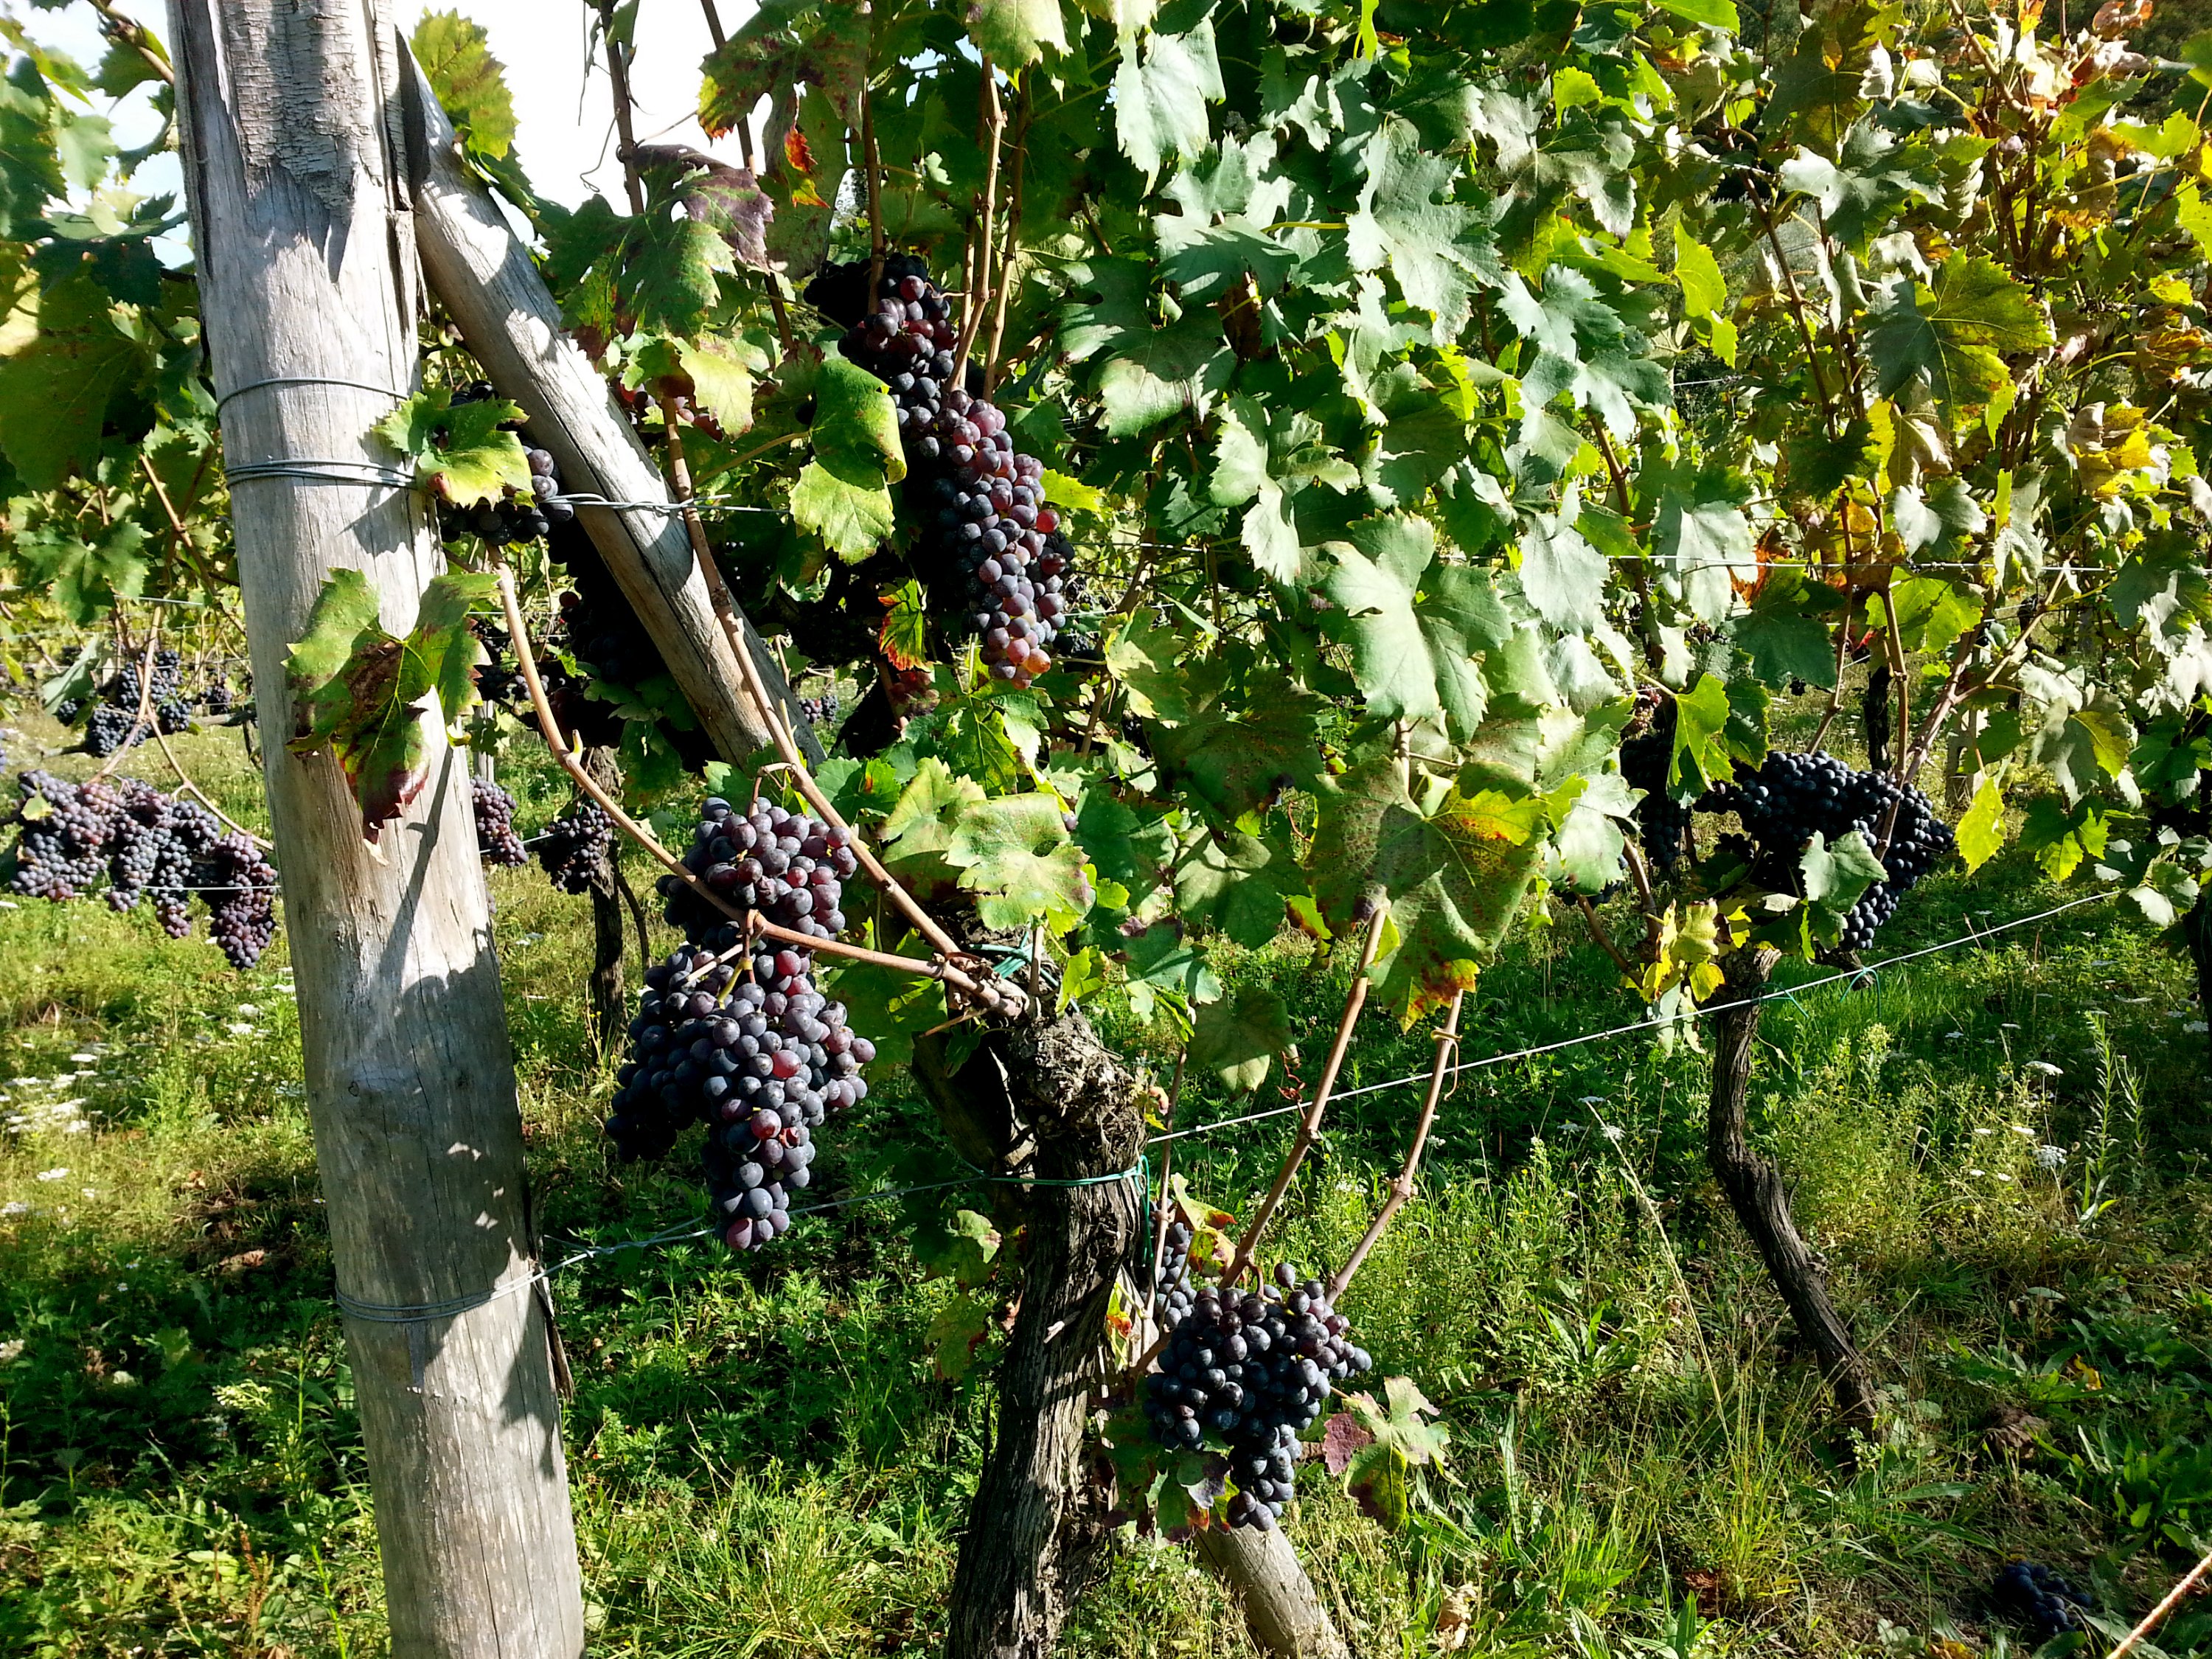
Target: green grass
766,1463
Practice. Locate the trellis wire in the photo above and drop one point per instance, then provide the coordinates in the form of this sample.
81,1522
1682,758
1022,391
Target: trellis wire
1534,1050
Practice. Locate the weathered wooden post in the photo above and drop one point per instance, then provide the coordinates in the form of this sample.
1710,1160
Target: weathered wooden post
289,115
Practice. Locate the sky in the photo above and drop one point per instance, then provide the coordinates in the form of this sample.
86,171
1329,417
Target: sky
566,117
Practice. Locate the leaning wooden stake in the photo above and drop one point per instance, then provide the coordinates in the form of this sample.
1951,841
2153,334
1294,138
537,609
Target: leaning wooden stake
288,119
482,274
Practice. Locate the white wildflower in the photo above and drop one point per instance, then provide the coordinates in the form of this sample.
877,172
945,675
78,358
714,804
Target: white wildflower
2051,1157
11,1351
2044,1068
52,1175
14,1207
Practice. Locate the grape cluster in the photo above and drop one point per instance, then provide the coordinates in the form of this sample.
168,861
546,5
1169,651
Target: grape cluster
986,539
573,849
2046,1605
757,1054
496,842
217,698
1254,1370
1662,823
821,711
1791,796
609,640
146,845
787,865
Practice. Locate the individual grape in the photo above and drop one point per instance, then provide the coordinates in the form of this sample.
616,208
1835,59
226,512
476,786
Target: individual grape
1252,1370
496,842
575,847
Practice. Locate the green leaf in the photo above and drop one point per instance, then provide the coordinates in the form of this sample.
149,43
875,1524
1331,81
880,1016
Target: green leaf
1238,1038
1708,13
962,1247
1562,574
851,518
667,275
461,454
1413,660
957,1330
855,430
1818,92
1932,614
1234,884
1014,33
1786,632
1836,878
918,831
1454,877
469,83
1952,336
1861,190
722,382
2061,838
1015,854
1236,762
1700,758
368,696
1704,543
56,393
1160,95
1704,291
1437,250
1981,831
1164,372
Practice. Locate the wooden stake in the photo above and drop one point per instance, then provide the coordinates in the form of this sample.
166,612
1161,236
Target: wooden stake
307,269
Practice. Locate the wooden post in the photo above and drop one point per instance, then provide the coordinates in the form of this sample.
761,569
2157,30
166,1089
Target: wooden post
482,275
287,112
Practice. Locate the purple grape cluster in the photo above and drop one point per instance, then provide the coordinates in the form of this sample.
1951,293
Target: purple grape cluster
986,537
1791,795
1255,1371
741,1039
789,866
573,849
759,1056
496,842
146,845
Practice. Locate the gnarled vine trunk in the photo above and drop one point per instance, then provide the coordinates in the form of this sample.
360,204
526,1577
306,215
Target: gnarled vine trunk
1282,1613
1761,1202
1052,1101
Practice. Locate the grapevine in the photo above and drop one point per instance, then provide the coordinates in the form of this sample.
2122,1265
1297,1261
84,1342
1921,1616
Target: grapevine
143,844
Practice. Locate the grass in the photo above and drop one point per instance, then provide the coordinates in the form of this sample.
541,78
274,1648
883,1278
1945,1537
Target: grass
765,1460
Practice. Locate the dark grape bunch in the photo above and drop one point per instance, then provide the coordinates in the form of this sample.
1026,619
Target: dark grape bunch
755,1053
823,710
145,844
496,842
610,641
217,698
787,866
2037,1599
573,849
114,724
1662,823
1790,796
986,539
1254,1370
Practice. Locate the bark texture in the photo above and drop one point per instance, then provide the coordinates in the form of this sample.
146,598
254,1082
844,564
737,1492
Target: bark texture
1761,1203
286,115
1052,1093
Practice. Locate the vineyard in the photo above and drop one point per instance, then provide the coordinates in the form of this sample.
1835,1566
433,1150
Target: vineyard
1225,829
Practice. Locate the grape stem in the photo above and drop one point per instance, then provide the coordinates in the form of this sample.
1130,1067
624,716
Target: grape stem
1308,1127
946,972
1604,939
1402,1185
979,295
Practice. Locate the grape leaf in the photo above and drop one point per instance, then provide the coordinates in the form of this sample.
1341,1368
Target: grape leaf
56,394
1704,543
918,831
1562,574
1704,291
1454,877
1785,633
469,83
367,696
1236,763
1413,652
851,518
1700,758
1435,249
1234,884
1160,95
957,1330
1981,831
84,579
1237,1037
721,381
1014,33
904,637
460,453
1818,91
1836,878
1952,335
855,428
1015,854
